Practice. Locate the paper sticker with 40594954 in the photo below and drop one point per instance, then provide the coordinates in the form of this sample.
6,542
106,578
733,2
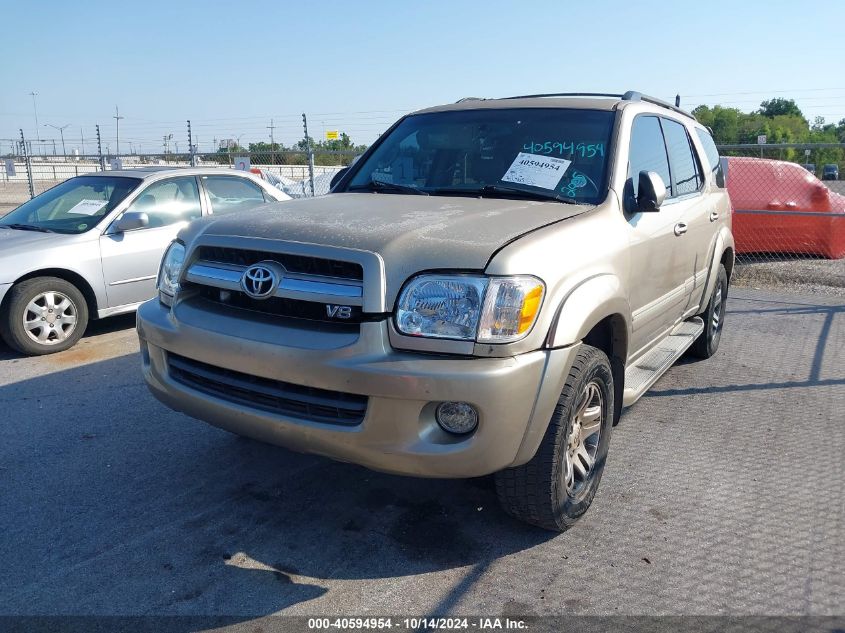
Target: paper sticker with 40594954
536,170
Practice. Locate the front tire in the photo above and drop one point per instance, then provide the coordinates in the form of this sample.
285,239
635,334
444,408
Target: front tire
43,316
714,318
555,488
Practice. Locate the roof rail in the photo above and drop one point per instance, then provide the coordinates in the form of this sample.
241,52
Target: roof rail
636,96
631,95
462,99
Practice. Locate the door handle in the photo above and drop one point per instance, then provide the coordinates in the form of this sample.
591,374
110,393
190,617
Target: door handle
714,215
680,228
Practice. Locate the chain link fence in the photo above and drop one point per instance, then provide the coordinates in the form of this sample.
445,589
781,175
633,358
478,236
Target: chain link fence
788,215
788,200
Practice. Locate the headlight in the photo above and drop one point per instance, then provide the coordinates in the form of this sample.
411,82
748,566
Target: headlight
464,307
441,307
168,274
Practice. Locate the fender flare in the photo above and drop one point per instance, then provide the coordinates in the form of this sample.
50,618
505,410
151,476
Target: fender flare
724,242
584,306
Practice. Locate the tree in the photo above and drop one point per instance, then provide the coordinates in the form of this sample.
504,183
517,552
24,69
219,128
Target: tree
778,106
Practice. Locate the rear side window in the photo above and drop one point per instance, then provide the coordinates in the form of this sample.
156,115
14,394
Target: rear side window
648,152
230,194
710,152
686,175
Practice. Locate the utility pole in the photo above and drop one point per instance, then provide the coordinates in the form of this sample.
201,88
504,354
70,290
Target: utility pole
28,164
117,119
82,134
34,94
191,146
272,143
62,132
100,149
310,154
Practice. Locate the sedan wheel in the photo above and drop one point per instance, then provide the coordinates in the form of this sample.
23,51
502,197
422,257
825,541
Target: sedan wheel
43,315
50,318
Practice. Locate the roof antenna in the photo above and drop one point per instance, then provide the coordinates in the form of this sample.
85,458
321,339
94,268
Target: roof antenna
677,101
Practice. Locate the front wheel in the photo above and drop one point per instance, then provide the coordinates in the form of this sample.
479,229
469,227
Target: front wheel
43,315
714,318
557,486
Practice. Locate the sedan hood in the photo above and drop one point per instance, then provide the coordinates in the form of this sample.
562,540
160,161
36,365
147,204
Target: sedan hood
22,251
411,233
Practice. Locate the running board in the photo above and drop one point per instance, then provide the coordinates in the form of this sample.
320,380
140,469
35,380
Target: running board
640,376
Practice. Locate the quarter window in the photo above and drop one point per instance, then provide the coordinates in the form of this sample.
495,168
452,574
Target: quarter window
710,152
230,194
169,201
686,175
648,152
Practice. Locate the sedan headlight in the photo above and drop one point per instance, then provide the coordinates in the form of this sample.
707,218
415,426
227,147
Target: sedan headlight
466,307
169,272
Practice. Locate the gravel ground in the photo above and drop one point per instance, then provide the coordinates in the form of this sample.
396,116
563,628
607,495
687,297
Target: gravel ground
791,274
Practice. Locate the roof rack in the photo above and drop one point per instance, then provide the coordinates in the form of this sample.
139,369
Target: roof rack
631,95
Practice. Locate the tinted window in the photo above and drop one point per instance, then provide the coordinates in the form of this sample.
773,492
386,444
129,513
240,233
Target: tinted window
648,152
74,206
686,177
230,194
546,151
710,151
169,201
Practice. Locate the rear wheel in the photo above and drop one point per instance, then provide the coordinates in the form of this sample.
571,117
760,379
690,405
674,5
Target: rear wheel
557,486
714,318
43,315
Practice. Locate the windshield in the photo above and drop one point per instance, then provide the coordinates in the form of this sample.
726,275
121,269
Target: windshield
74,206
544,152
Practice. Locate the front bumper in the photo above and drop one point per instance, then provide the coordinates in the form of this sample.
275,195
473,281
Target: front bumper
515,396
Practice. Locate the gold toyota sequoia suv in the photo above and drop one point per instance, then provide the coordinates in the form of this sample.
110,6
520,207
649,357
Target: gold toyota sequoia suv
482,292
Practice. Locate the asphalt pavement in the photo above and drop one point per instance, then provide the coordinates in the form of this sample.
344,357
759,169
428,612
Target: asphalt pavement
723,494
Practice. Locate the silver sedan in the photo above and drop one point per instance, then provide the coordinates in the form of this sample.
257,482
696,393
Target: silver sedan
90,247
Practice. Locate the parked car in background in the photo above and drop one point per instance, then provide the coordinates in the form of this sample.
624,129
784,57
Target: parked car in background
830,172
90,247
810,167
779,208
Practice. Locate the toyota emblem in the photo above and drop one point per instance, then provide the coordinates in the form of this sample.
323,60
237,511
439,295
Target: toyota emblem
259,281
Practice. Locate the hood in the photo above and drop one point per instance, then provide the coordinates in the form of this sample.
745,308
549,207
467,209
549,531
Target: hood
15,242
21,251
411,233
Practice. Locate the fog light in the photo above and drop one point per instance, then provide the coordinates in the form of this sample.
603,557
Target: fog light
457,417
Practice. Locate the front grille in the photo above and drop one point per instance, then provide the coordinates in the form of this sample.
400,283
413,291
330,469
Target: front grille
278,306
303,264
274,396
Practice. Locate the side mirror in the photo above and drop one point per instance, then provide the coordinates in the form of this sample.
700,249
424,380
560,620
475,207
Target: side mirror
652,192
336,178
132,220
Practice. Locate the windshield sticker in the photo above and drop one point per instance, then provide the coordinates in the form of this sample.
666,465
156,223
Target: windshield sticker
577,181
569,148
536,171
87,207
381,176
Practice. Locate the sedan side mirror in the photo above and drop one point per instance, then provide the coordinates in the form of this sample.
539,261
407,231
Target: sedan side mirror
652,192
336,178
132,220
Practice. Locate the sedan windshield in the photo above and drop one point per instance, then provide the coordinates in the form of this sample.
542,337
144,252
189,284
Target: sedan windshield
536,153
74,206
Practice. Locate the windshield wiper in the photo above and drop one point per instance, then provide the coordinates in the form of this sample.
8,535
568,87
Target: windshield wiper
380,185
524,193
28,227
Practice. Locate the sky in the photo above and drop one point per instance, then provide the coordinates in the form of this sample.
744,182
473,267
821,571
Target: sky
357,65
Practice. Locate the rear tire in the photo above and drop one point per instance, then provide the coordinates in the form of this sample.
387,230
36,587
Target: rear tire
43,315
555,488
714,317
